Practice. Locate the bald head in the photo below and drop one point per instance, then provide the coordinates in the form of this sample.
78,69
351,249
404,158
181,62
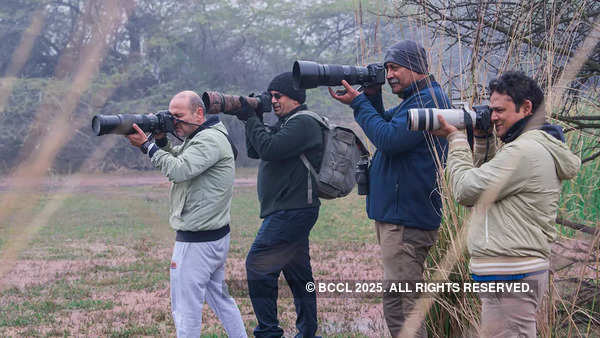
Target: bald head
193,99
187,107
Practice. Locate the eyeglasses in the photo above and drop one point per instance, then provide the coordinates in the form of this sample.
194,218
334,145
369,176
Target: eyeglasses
277,96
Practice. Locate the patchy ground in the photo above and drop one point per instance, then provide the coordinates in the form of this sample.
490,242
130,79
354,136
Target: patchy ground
100,266
87,182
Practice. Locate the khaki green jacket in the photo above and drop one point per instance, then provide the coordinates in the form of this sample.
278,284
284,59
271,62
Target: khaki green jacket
202,171
518,189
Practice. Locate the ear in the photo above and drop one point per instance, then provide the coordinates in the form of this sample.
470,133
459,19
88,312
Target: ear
526,108
199,115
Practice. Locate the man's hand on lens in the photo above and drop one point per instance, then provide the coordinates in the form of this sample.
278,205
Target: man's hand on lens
347,97
246,111
138,138
259,107
445,128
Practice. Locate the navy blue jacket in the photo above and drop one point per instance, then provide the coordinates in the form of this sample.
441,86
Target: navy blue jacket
403,174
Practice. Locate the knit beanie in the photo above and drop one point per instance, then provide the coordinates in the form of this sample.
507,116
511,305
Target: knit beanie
284,83
408,54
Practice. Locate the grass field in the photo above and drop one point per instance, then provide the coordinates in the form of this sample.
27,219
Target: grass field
100,266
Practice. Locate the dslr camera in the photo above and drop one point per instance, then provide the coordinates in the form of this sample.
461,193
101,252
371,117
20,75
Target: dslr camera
361,174
308,74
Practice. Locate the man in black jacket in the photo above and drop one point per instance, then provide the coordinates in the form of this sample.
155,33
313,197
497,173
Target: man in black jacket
288,206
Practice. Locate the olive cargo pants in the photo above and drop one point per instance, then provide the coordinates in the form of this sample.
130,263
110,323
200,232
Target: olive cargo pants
404,251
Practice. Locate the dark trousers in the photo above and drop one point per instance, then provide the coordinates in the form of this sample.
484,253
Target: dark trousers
281,244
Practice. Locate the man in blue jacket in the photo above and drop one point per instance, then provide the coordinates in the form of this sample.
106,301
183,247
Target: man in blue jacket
403,194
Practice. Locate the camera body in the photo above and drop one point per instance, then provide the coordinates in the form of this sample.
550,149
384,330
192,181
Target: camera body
308,74
122,124
479,117
362,176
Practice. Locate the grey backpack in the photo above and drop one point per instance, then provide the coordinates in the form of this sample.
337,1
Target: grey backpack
342,150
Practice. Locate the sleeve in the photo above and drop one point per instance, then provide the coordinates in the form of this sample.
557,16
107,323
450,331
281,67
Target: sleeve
251,152
294,138
166,145
391,137
377,102
501,176
199,155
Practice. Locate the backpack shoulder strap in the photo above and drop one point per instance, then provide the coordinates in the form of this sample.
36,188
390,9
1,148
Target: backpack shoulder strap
233,147
323,121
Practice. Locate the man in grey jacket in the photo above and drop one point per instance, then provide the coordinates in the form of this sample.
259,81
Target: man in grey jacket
516,193
202,171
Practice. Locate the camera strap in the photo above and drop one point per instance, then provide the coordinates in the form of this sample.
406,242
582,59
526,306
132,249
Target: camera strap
211,121
233,147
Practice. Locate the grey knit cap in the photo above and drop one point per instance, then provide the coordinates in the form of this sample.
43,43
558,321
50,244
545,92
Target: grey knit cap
408,54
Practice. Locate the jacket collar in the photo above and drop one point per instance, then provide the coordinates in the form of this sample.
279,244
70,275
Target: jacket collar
417,86
521,126
294,111
209,122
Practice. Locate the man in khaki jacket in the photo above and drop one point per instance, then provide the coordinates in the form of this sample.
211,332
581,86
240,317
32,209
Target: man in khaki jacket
518,190
201,170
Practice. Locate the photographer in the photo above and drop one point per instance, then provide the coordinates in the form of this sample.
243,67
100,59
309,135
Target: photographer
289,206
202,171
403,194
518,190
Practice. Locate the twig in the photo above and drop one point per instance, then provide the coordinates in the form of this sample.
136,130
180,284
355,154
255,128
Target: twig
590,158
578,226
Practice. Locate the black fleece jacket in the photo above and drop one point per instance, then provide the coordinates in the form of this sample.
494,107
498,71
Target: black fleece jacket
282,177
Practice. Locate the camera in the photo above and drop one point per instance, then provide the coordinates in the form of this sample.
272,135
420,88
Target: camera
122,124
216,102
308,74
479,117
362,176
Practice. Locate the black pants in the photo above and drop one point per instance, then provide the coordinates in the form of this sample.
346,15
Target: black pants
281,244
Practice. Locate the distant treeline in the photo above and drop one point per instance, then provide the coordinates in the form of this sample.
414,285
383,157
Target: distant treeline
159,48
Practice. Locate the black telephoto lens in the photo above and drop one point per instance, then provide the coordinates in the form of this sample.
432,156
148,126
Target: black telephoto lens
308,74
122,124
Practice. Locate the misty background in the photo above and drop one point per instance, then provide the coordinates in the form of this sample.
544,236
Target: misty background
136,54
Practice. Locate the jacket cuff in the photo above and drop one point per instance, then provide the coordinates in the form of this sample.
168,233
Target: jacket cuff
457,139
152,148
357,101
162,142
